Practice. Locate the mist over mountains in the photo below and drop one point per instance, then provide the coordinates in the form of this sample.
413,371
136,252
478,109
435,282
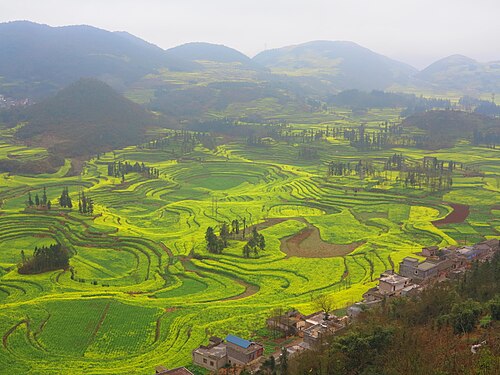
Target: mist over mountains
37,60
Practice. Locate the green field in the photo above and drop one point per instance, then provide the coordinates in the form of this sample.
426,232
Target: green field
145,291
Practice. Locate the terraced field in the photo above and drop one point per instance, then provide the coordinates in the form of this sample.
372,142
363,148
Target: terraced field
144,291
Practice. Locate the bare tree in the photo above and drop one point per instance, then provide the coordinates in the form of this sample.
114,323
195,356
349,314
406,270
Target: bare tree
323,302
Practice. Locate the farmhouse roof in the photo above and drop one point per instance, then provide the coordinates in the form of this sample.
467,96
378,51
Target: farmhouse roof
215,340
216,352
394,279
425,266
238,341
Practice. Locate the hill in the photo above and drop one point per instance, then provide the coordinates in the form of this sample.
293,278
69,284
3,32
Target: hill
39,59
462,73
224,77
451,121
340,65
198,51
443,128
85,118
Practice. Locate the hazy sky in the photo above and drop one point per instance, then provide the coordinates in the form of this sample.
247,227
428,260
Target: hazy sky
414,31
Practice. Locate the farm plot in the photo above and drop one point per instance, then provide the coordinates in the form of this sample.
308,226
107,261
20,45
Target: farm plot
143,290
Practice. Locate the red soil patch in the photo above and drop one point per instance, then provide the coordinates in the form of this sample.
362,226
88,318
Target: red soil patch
250,289
458,215
309,244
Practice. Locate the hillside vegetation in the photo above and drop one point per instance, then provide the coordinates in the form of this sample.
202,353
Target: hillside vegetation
431,333
342,65
443,128
85,118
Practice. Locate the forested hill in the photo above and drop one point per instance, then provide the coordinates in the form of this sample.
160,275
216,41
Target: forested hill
195,79
344,65
197,51
451,122
462,73
444,127
42,59
85,118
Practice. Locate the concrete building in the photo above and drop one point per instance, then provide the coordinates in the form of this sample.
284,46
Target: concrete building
317,328
234,351
290,323
392,283
213,356
430,251
413,269
241,351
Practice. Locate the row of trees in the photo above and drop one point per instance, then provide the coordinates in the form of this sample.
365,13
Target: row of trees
85,204
216,244
361,168
45,258
488,137
120,169
430,173
39,202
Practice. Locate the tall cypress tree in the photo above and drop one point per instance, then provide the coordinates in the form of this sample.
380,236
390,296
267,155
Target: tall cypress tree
30,200
44,197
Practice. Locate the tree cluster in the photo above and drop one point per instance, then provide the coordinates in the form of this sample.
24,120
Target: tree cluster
120,169
85,204
308,153
215,244
430,173
65,199
45,258
361,168
39,202
256,243
379,99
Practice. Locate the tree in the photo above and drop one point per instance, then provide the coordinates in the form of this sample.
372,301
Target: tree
45,258
30,200
247,250
64,199
37,200
284,361
224,233
325,303
495,308
213,244
235,226
44,197
255,243
90,206
465,316
269,365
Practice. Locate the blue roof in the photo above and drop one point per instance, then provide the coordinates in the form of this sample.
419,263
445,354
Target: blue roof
238,341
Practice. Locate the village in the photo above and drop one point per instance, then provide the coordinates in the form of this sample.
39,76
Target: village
234,355
8,102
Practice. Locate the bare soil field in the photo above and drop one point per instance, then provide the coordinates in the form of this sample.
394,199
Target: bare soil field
458,215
